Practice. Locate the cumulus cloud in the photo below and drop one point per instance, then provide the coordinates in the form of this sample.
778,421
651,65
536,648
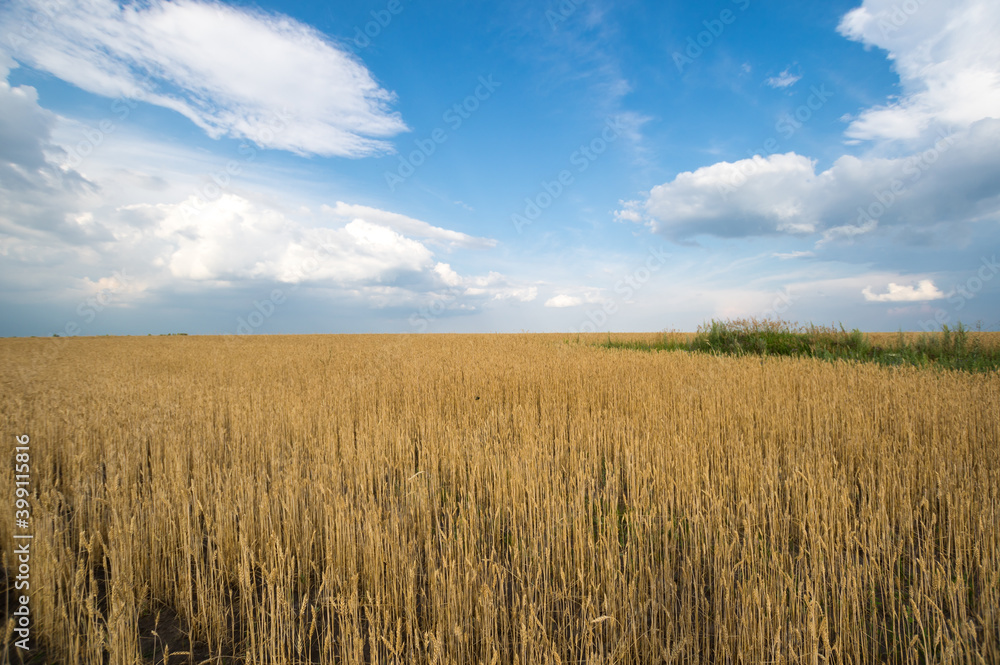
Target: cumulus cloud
630,211
576,296
496,286
784,80
946,172
231,70
63,236
36,196
925,290
946,55
563,300
447,275
706,200
233,239
956,180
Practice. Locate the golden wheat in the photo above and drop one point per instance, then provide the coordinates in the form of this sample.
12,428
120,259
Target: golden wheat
500,499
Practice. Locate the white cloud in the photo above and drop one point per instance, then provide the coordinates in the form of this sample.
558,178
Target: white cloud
629,212
492,286
576,296
447,275
519,293
749,197
925,290
946,55
233,239
956,181
64,236
949,66
563,300
794,255
36,195
783,80
232,71
848,231
409,226
496,286
221,245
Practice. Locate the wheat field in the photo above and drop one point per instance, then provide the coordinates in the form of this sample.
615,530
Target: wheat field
498,499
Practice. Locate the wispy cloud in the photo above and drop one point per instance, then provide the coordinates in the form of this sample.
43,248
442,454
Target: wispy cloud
232,71
794,255
408,226
784,80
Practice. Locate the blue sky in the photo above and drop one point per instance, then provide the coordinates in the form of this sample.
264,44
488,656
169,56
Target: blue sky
395,166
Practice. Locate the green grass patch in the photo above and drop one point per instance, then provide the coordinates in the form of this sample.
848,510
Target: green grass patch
951,348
